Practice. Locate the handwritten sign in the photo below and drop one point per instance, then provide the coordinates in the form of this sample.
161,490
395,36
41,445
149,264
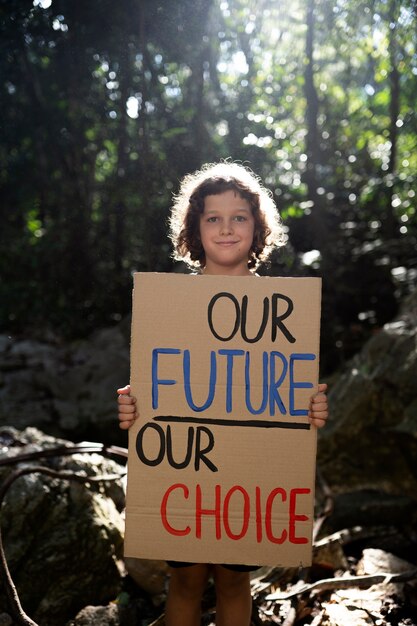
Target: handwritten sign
222,459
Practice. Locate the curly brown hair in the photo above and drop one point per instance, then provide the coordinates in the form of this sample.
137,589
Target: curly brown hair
214,179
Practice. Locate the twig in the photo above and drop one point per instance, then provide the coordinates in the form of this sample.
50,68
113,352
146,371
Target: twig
160,621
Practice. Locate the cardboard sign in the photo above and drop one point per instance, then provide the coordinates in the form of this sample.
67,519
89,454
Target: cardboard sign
222,458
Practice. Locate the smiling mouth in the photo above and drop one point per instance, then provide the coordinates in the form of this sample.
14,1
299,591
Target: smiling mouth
226,243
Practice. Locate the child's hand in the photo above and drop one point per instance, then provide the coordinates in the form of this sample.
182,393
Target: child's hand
318,412
127,408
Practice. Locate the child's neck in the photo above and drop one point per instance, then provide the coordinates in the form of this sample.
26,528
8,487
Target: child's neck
216,270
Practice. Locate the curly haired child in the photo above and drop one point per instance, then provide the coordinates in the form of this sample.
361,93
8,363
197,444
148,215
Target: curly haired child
223,222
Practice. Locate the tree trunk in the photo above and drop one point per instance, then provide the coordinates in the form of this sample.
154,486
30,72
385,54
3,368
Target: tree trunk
118,202
143,150
390,222
319,231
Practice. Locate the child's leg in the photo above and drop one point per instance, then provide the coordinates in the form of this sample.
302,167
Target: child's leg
186,587
234,601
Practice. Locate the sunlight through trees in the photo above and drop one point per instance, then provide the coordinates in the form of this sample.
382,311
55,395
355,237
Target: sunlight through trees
106,105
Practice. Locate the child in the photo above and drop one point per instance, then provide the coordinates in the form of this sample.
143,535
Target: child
223,222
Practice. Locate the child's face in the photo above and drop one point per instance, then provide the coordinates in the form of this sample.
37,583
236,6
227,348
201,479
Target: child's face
226,230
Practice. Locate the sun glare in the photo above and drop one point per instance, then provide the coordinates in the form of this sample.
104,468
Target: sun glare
44,4
132,107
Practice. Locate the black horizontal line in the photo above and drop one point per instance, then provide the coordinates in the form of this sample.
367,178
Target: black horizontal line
232,422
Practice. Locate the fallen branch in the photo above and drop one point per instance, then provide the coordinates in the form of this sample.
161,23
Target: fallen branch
77,448
342,537
328,584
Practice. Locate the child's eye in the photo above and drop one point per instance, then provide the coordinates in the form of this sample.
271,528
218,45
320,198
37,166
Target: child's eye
212,219
240,218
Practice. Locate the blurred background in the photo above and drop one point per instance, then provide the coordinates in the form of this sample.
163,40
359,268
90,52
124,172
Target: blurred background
105,105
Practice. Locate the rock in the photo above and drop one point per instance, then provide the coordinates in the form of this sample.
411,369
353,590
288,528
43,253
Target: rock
330,556
367,450
63,540
375,561
369,507
65,389
148,574
97,616
373,599
362,606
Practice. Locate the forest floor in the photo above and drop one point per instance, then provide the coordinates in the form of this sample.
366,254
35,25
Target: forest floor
373,587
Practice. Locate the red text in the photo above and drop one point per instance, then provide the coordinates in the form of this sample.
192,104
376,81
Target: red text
278,504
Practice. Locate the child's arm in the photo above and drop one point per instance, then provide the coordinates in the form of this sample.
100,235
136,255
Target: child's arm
127,408
318,413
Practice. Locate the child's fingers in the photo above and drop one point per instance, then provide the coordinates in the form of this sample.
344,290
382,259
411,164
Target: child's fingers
319,403
125,400
124,425
127,408
318,422
127,415
318,413
124,390
318,416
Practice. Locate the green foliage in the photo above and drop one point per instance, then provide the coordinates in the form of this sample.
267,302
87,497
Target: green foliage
104,106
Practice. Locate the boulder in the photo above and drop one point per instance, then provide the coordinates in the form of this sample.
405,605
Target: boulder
367,450
63,540
150,575
98,616
65,390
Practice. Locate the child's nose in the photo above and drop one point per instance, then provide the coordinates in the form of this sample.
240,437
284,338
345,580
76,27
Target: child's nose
226,227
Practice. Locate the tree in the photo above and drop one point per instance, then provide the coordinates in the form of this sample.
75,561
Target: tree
104,108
